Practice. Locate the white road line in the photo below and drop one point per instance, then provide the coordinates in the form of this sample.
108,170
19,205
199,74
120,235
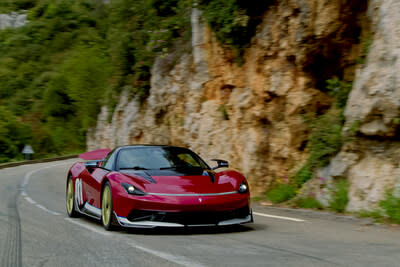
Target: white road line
88,227
28,177
278,217
181,260
47,210
25,182
30,200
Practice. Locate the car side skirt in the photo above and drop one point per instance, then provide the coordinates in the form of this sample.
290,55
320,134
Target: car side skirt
151,224
89,210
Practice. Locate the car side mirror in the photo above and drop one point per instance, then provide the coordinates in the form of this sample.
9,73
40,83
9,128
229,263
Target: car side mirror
221,163
90,165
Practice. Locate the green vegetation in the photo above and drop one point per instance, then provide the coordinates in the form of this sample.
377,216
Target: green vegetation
339,90
339,196
325,142
365,46
326,138
308,203
13,135
138,32
281,192
389,212
76,55
234,21
72,57
354,127
224,112
374,214
391,206
7,6
256,199
52,74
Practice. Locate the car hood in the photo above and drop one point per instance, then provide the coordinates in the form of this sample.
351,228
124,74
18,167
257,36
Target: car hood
186,181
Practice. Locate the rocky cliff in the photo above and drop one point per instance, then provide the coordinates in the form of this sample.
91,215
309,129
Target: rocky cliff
13,20
371,160
253,114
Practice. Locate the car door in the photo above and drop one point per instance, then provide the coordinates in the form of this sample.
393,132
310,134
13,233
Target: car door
92,180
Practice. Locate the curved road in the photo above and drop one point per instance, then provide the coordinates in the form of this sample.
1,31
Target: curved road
35,231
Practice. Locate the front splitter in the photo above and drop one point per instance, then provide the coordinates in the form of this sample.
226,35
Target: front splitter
152,224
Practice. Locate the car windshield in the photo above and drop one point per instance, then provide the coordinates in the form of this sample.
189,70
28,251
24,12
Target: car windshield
159,158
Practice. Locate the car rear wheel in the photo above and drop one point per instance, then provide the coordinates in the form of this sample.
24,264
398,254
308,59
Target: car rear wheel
107,214
70,198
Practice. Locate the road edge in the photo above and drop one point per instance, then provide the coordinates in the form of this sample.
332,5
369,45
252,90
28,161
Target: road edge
27,162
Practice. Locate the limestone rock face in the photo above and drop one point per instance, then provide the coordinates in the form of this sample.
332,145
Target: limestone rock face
370,161
374,101
252,115
374,105
369,179
13,20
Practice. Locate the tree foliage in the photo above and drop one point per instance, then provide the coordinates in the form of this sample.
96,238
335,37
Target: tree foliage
234,21
13,134
72,57
75,55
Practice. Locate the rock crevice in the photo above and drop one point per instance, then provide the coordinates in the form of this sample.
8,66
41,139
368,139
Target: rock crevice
253,115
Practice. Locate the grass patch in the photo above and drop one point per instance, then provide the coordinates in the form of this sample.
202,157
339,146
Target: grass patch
340,197
391,206
376,215
339,90
326,131
365,46
281,193
256,199
325,142
304,174
224,112
309,203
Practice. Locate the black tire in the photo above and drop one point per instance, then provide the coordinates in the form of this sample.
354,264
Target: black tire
107,211
70,198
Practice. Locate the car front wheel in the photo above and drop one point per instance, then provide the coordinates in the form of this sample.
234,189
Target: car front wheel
107,214
70,198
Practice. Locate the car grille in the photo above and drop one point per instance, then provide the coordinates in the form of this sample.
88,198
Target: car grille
188,218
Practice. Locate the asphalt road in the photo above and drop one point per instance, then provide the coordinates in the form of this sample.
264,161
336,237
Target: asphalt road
35,231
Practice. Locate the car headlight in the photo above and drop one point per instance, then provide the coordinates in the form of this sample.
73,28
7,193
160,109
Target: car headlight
243,188
132,190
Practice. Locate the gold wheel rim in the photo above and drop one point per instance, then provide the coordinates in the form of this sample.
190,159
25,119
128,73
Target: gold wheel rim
106,206
70,196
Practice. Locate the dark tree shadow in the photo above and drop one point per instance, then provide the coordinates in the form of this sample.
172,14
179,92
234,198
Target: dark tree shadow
190,230
166,231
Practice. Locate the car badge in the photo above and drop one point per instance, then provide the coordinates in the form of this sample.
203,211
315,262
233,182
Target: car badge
200,200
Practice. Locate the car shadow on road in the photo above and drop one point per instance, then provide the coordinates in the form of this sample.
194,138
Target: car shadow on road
206,230
190,230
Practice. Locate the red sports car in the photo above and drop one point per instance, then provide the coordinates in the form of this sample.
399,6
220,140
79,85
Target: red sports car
149,186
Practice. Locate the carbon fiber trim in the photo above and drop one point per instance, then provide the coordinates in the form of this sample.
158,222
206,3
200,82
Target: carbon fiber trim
193,195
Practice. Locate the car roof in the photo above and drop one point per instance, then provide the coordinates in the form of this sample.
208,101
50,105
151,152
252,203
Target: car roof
145,145
148,145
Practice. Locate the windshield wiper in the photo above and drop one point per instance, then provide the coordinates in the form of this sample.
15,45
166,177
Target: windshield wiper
134,168
168,168
179,166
